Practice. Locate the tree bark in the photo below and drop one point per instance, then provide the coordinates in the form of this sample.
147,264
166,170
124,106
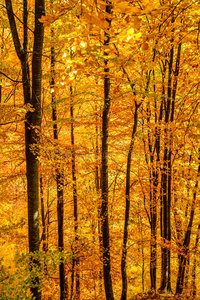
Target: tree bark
75,263
33,118
44,227
59,179
166,177
127,196
104,189
127,209
183,256
98,190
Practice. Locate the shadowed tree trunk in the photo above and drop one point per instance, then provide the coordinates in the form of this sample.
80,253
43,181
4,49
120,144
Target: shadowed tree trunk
33,118
183,256
44,226
104,178
166,176
127,210
193,283
75,262
98,190
127,194
59,179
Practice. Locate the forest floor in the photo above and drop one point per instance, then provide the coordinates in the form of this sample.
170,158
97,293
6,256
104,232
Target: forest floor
150,296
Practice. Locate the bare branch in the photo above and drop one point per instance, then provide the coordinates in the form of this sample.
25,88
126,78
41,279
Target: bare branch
10,78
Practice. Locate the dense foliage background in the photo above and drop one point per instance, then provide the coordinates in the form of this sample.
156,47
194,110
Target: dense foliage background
139,60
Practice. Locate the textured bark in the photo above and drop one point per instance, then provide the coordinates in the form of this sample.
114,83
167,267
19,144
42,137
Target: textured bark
98,190
104,178
75,262
33,119
127,196
60,214
127,210
153,218
152,158
32,137
59,180
44,227
183,257
166,178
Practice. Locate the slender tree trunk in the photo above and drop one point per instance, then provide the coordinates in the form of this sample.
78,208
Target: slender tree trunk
166,190
33,119
75,262
59,179
153,178
166,179
104,207
98,189
44,227
153,217
193,283
127,209
185,246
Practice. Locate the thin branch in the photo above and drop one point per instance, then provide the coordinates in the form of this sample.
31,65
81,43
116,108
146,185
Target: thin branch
10,122
10,78
17,18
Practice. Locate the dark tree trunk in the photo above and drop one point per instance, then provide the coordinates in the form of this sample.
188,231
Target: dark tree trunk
193,283
104,207
166,190
75,263
60,213
183,256
33,119
153,223
59,180
127,209
32,138
166,177
44,227
127,195
98,190
153,178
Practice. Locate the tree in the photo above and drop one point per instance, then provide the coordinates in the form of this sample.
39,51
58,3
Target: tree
104,179
186,242
59,170
33,117
128,177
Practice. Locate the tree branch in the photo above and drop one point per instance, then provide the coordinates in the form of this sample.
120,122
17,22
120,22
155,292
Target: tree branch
10,78
14,31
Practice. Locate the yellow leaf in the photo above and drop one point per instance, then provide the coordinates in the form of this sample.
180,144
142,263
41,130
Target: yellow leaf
136,22
123,6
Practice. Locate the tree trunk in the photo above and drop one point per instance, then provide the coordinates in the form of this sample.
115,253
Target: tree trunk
98,190
127,197
166,190
127,210
193,283
75,263
183,256
59,180
33,119
104,189
166,177
44,227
